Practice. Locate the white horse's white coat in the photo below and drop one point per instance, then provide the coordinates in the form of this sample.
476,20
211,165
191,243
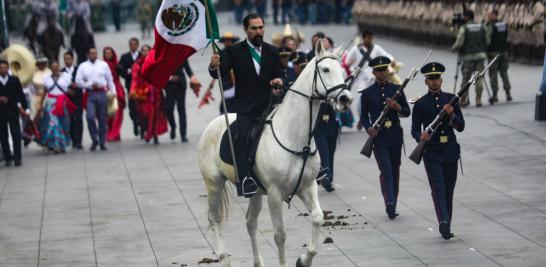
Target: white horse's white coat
277,168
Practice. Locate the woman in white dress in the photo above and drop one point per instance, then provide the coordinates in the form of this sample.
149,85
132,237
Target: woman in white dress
56,108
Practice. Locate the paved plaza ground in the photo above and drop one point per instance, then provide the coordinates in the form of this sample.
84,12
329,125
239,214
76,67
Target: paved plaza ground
143,205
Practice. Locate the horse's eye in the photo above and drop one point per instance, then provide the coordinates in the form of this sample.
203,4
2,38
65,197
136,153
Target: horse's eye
325,69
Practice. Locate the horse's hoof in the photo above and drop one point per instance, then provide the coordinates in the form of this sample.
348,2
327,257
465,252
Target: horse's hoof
299,264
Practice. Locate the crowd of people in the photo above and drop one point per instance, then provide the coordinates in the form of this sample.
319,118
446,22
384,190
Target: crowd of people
301,11
437,22
51,107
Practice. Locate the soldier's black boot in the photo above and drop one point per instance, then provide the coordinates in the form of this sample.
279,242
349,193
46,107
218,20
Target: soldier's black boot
508,96
249,187
445,230
391,211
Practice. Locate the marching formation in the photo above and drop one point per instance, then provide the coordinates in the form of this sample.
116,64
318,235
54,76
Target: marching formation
436,22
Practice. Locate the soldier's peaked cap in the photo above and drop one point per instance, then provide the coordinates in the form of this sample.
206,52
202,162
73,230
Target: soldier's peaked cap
433,70
379,63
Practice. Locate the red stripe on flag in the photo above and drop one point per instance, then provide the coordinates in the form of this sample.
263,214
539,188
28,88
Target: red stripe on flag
162,61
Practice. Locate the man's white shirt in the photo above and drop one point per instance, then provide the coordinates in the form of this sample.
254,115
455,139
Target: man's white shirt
4,80
365,79
97,72
69,70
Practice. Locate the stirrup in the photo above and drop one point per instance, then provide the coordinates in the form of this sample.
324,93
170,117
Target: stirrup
249,186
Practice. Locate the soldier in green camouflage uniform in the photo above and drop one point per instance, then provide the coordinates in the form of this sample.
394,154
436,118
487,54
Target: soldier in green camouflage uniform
472,42
498,32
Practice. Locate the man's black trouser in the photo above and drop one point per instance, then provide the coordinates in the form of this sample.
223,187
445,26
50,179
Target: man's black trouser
176,96
12,124
442,177
388,159
76,118
244,123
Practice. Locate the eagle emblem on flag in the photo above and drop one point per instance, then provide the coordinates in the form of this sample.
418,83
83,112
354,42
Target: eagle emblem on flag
180,19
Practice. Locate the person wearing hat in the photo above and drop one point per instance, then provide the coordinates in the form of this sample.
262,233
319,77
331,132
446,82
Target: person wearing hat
289,72
11,96
41,71
442,150
228,39
387,145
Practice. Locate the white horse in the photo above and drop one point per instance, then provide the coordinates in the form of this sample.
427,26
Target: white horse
278,169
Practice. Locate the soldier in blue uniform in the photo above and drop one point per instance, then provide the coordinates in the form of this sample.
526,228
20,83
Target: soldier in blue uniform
442,150
387,146
325,134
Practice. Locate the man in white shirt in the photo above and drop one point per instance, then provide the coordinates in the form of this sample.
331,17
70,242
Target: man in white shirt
357,53
94,76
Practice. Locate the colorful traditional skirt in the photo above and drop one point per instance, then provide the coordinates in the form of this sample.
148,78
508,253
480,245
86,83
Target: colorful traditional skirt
54,129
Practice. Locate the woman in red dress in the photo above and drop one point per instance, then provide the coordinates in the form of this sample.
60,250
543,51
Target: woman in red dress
149,100
115,122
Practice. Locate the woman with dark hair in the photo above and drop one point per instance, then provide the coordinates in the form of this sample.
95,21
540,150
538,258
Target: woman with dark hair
55,107
115,122
148,98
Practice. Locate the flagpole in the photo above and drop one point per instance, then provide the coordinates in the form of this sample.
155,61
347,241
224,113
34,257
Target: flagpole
219,75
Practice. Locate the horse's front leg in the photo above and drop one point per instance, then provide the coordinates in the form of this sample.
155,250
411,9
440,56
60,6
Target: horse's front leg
275,210
254,208
309,196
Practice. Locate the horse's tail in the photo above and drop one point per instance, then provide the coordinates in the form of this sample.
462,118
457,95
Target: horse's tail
215,181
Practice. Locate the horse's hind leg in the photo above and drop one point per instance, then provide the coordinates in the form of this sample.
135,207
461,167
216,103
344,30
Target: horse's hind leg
309,196
218,204
254,208
275,210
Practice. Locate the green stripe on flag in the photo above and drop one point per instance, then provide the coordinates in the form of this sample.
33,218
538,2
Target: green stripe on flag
212,29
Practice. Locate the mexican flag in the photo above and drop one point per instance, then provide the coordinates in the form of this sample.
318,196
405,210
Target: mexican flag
181,28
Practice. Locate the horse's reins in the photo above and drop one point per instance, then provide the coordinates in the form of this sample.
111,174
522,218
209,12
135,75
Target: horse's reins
315,96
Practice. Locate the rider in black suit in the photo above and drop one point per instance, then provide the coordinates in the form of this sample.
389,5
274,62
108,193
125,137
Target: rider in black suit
11,95
256,66
124,70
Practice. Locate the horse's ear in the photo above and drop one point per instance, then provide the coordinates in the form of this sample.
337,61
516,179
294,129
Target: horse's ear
319,49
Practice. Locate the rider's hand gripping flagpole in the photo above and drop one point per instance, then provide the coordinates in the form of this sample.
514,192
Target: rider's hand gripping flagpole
219,74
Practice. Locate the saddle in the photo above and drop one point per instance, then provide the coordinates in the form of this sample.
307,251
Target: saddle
252,141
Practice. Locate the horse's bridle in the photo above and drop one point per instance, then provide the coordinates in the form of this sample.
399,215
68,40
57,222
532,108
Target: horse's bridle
315,96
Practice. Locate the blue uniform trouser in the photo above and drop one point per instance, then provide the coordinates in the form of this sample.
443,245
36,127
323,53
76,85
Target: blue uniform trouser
326,145
542,87
442,177
388,160
97,108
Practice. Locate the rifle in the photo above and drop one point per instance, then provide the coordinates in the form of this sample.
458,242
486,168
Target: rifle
351,79
368,146
417,154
